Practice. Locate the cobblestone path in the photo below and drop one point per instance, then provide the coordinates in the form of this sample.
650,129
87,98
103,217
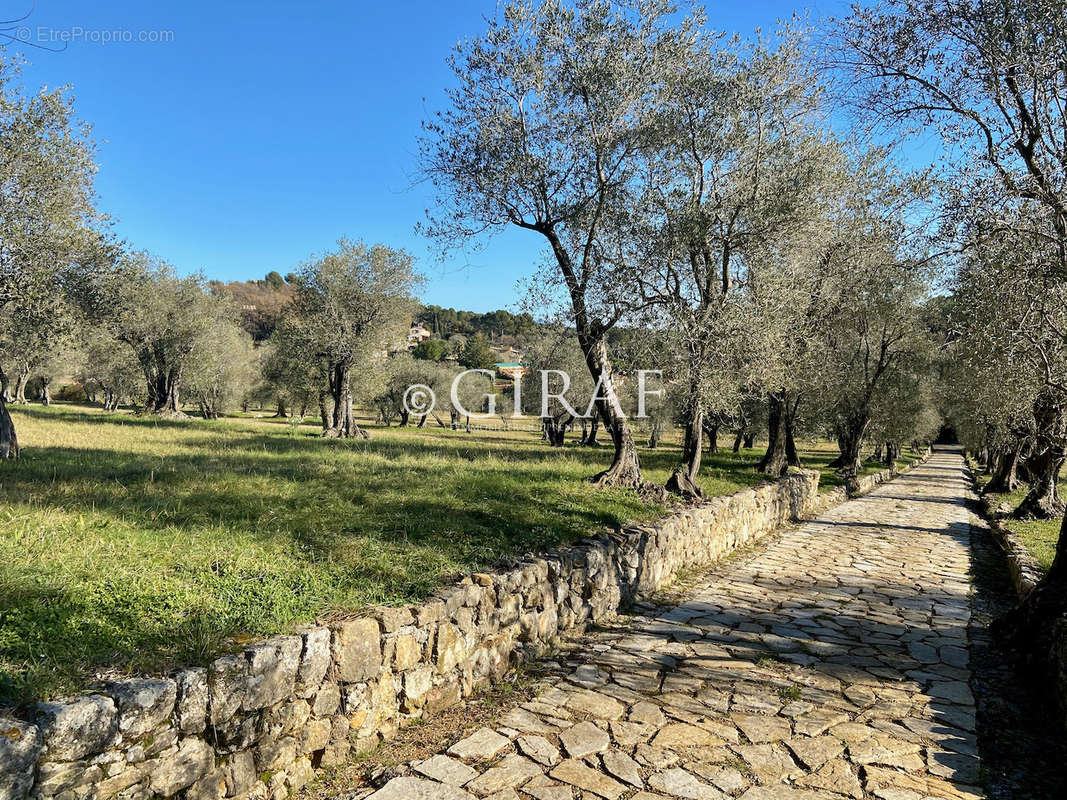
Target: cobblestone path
831,663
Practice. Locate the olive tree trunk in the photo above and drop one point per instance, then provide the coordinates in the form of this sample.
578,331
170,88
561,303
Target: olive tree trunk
1006,475
683,481
1043,500
1050,452
9,442
625,468
21,379
850,433
594,429
555,429
713,437
781,448
343,422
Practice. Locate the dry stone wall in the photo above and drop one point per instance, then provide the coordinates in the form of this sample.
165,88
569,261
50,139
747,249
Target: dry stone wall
1026,573
256,725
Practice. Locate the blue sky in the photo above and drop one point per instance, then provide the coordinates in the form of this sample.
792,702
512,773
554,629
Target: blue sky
263,131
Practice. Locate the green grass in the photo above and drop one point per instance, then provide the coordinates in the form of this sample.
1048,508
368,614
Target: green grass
138,545
1038,536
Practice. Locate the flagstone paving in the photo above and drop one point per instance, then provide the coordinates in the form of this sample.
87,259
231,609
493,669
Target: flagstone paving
831,663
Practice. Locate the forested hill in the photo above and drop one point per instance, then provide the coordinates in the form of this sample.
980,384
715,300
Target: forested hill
260,304
443,322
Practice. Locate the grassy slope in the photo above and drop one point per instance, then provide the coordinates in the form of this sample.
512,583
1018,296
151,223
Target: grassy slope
1036,535
131,544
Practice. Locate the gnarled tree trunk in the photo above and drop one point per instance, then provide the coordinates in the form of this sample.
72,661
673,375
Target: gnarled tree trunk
555,429
21,379
625,468
1006,475
594,429
1050,452
683,481
713,437
850,433
781,447
343,422
9,442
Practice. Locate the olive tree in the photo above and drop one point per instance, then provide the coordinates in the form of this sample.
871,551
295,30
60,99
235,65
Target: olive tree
735,173
221,366
869,313
546,131
988,77
106,368
162,318
46,204
352,305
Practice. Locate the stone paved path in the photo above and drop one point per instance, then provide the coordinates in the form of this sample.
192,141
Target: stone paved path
831,663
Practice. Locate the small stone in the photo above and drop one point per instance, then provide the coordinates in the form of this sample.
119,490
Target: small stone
408,788
596,705
190,711
589,676
446,770
953,691
525,721
816,751
406,652
761,729
834,776
627,734
191,760
20,744
647,713
584,739
885,750
684,735
623,767
728,779
314,659
482,745
272,668
578,774
73,729
554,792
449,648
357,650
393,619
512,771
539,749
679,783
143,705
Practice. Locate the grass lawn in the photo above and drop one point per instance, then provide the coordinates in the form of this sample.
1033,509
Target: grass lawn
137,545
1036,535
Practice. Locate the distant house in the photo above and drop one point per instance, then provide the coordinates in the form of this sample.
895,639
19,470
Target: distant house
418,334
511,369
507,354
